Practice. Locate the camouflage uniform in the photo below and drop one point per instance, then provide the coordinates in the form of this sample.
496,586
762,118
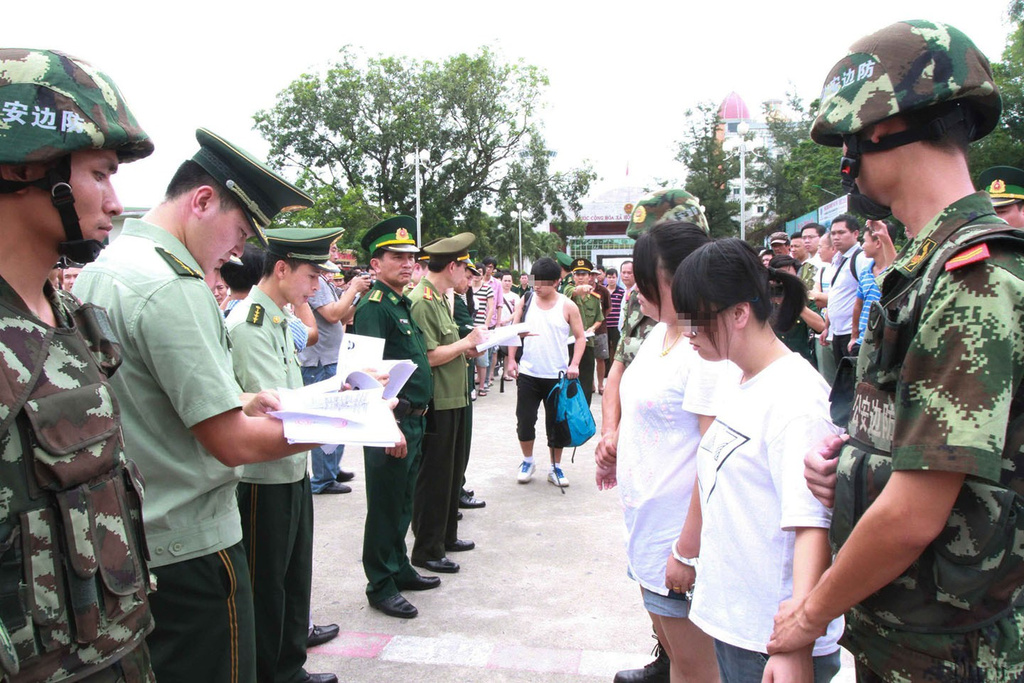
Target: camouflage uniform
73,572
81,602
635,326
938,382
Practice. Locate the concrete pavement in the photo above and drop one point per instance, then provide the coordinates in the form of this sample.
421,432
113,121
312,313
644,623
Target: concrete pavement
543,597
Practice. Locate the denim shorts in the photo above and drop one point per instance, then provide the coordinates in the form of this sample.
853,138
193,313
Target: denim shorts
736,665
673,605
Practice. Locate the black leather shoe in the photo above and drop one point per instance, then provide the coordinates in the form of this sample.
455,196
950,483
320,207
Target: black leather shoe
318,635
459,546
442,566
469,502
469,493
655,672
420,583
344,476
458,515
335,487
319,678
396,606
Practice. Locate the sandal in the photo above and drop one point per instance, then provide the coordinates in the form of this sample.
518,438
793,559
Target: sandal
481,392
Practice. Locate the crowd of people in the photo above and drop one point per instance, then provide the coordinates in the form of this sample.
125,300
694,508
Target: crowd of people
156,524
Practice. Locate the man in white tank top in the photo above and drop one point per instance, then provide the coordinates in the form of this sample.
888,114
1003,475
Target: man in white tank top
552,317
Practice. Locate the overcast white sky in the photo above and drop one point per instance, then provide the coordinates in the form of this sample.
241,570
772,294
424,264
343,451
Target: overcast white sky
622,74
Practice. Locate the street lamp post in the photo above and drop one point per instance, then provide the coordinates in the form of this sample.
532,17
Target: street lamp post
519,217
743,128
415,159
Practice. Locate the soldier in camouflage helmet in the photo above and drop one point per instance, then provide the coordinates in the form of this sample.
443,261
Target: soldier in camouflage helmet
73,572
664,206
927,516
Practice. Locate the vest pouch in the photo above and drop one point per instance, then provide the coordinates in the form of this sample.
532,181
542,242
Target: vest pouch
976,568
44,574
106,580
68,453
861,475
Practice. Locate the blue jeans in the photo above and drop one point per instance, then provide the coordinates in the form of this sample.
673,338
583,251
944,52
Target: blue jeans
325,465
736,665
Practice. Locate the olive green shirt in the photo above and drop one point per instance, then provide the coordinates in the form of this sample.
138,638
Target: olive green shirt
264,357
590,311
384,314
431,313
176,373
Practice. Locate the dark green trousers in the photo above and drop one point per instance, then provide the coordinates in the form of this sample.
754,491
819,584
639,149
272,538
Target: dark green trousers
204,620
390,483
436,499
587,365
277,532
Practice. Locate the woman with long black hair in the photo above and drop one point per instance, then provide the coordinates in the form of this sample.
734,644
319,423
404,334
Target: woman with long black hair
760,536
667,397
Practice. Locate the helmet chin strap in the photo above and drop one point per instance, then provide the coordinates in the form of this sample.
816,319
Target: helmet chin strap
849,166
75,247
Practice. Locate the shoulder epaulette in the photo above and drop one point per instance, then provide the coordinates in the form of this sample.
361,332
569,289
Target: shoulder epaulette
595,294
256,315
177,265
428,294
376,295
973,254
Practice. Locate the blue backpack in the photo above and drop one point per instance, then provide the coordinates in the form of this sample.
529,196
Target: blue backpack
574,424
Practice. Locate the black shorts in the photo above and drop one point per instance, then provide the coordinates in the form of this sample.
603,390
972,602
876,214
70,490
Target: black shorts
530,393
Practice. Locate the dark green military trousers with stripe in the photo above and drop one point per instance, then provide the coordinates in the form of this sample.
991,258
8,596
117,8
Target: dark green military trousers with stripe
277,532
390,483
436,497
204,620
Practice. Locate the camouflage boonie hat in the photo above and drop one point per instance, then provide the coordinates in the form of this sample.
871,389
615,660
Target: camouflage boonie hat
905,67
664,206
52,104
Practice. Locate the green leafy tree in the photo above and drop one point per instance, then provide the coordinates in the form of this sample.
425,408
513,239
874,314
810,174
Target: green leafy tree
1005,145
351,128
791,172
709,168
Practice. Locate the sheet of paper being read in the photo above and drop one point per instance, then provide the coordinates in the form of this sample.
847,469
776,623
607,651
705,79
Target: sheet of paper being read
508,335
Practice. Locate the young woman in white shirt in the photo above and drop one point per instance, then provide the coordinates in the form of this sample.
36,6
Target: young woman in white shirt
667,398
754,536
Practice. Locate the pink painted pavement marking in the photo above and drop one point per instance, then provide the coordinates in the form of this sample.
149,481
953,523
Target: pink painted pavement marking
539,659
352,644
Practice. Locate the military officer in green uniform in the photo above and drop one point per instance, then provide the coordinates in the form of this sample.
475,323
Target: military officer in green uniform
73,586
567,283
589,303
1005,185
927,515
186,421
274,498
385,312
436,498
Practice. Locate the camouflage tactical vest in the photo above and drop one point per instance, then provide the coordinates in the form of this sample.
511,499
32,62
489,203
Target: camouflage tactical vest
73,574
973,572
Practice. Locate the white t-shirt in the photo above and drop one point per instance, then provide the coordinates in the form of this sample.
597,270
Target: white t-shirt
843,292
753,495
661,397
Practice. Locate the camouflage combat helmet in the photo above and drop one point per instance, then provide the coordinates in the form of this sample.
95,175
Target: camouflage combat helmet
664,206
908,66
52,104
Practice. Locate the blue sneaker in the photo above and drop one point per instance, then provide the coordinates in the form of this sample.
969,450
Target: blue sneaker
556,477
526,471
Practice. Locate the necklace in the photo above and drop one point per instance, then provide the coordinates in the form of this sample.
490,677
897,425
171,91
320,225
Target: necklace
665,350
